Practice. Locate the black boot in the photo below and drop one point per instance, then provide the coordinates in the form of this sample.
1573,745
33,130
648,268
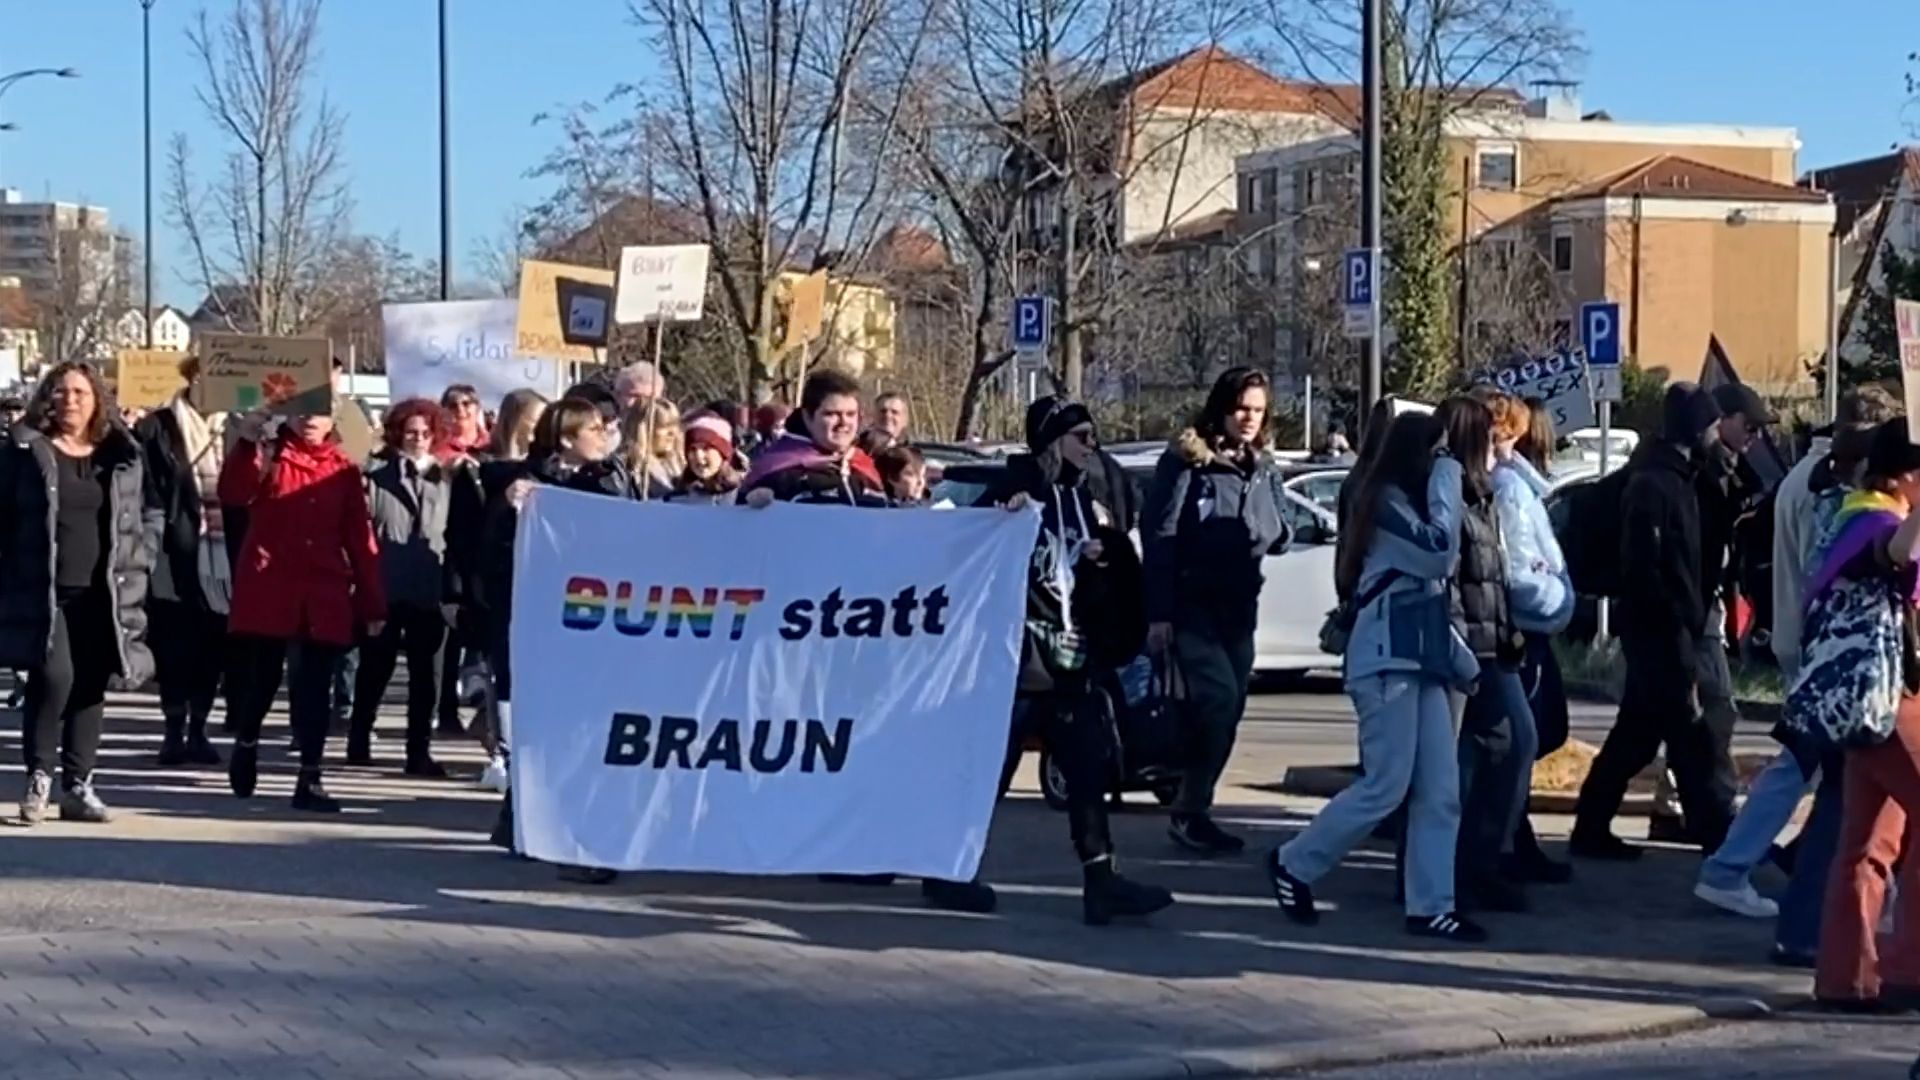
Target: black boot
973,897
173,747
360,749
311,796
503,824
1491,893
1106,894
243,772
1529,864
200,749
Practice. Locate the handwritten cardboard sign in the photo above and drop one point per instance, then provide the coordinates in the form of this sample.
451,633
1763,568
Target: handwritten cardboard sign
358,437
662,283
147,378
1906,322
806,309
540,331
285,376
1558,379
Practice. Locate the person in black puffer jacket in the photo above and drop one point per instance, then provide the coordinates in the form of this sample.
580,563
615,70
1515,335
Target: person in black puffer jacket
1497,733
77,543
1214,512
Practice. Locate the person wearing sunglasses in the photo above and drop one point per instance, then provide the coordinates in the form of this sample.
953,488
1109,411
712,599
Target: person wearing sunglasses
1086,616
466,426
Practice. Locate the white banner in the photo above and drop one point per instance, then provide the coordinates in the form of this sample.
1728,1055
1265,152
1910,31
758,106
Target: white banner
665,283
432,346
799,689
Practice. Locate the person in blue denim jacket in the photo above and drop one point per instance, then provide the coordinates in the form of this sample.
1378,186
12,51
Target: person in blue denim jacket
1404,656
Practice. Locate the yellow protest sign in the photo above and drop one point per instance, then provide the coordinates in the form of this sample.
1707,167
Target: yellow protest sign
358,437
538,331
806,307
147,378
286,376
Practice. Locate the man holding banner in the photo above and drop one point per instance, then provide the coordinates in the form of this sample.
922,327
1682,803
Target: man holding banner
818,462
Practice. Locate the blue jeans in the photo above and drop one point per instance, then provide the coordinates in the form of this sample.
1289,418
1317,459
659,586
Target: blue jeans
1407,743
1776,792
1803,905
1497,744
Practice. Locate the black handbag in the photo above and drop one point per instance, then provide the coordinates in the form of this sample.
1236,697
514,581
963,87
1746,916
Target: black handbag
1337,629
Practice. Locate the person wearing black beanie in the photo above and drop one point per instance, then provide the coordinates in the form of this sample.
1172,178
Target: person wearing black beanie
1086,616
1663,615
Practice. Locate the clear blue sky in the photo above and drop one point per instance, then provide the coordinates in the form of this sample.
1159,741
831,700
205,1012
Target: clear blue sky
1833,70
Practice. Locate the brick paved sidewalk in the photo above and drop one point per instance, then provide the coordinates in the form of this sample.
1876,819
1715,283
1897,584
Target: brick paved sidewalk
198,936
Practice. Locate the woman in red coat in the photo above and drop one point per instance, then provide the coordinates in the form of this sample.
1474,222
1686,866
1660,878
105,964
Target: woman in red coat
307,580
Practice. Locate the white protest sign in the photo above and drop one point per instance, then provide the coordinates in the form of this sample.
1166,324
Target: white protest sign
804,690
433,346
1559,380
665,283
1906,323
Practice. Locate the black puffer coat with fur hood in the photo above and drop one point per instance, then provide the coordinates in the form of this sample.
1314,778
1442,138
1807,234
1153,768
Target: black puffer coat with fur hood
1211,516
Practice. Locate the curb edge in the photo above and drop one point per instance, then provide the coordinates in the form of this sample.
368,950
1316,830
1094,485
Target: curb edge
1435,1041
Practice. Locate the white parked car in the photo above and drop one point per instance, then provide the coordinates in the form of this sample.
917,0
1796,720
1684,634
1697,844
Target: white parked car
1299,584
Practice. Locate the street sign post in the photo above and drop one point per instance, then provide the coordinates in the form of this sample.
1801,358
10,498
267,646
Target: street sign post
1359,274
1600,340
1032,325
1032,333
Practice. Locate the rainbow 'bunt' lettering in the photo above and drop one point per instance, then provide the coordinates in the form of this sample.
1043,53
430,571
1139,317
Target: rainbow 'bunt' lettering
586,604
694,607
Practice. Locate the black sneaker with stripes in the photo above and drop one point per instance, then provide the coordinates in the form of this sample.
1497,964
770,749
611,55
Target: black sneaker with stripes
1293,895
1448,927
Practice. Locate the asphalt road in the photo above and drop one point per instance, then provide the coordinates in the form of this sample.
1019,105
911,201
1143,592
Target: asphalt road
1790,1047
1310,722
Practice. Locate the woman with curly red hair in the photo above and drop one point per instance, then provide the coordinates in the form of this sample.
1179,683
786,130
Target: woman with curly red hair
408,494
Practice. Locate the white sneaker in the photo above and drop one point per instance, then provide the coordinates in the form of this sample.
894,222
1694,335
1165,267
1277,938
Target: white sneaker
1745,900
495,774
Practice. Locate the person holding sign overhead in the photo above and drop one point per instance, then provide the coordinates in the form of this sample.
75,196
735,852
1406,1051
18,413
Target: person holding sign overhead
76,544
308,580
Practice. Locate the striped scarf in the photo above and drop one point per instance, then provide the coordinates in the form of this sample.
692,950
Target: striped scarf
206,452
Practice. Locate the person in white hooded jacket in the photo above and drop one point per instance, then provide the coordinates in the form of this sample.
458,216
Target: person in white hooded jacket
1540,597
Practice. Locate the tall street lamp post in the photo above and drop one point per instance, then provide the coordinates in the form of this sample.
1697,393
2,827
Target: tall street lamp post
146,104
7,82
1370,79
446,172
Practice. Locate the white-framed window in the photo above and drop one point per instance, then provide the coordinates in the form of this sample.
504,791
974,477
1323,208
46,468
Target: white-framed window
1496,166
1562,249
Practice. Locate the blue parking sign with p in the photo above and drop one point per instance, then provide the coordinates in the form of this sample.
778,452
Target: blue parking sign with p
1600,332
1030,329
1357,277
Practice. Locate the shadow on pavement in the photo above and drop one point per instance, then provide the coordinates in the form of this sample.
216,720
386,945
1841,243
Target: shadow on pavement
413,854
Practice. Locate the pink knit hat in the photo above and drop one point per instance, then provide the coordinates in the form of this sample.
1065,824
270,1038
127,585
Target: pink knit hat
706,429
